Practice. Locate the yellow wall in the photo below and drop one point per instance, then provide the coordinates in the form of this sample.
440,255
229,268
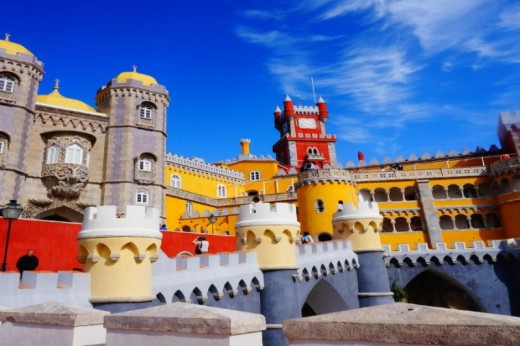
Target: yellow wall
116,274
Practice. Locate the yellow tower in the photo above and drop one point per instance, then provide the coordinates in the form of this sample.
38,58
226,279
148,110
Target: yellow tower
271,231
318,193
360,226
118,252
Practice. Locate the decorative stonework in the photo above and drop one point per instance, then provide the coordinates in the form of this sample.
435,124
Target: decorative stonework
64,121
35,207
65,179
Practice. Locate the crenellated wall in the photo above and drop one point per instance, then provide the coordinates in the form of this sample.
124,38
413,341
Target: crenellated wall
39,287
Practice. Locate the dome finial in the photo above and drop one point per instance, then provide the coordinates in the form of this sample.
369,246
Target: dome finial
134,68
7,36
56,84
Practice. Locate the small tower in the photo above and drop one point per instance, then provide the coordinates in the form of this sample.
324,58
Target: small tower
361,227
118,253
303,135
318,193
136,105
20,76
272,232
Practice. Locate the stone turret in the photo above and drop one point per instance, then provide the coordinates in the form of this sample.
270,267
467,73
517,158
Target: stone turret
270,231
361,226
118,253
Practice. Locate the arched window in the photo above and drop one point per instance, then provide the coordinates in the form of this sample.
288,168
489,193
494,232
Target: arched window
221,191
189,208
141,197
146,110
319,206
175,181
6,83
145,165
74,154
53,154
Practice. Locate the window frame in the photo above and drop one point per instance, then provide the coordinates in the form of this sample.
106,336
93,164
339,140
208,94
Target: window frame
74,154
319,206
221,191
53,155
144,165
175,181
7,83
146,111
255,175
188,208
142,197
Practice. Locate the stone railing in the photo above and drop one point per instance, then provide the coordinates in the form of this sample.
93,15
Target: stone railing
225,202
504,166
59,324
359,176
419,174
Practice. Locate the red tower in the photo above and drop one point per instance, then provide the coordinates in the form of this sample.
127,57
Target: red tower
303,136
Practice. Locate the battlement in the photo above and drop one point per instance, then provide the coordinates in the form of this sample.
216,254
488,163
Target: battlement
267,214
40,287
103,221
299,109
365,210
199,164
226,273
478,253
321,259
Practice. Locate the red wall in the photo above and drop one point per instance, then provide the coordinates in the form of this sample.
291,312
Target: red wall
55,243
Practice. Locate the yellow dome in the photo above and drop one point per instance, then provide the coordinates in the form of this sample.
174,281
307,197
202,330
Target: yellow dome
145,79
56,99
13,48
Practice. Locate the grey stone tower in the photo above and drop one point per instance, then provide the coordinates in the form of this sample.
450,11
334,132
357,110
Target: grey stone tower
20,75
135,140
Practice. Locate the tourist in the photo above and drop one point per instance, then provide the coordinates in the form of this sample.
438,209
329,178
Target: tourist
201,245
27,262
306,238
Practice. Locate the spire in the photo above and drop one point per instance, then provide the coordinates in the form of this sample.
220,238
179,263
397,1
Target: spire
287,98
134,68
320,100
56,85
7,36
278,110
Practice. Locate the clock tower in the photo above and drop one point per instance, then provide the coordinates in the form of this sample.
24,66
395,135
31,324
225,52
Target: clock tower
303,137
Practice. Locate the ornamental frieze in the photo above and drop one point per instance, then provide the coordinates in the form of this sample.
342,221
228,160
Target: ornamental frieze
64,121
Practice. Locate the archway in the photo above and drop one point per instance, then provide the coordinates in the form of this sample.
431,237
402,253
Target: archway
323,299
61,214
432,288
324,236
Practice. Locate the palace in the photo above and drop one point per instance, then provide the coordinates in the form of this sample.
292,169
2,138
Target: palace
439,228
58,156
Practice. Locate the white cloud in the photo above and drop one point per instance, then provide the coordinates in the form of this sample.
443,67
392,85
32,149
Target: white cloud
510,18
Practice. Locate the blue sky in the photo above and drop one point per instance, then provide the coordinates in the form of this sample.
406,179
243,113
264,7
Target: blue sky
399,77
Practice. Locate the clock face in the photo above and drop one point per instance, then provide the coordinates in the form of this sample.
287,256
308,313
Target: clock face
307,123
